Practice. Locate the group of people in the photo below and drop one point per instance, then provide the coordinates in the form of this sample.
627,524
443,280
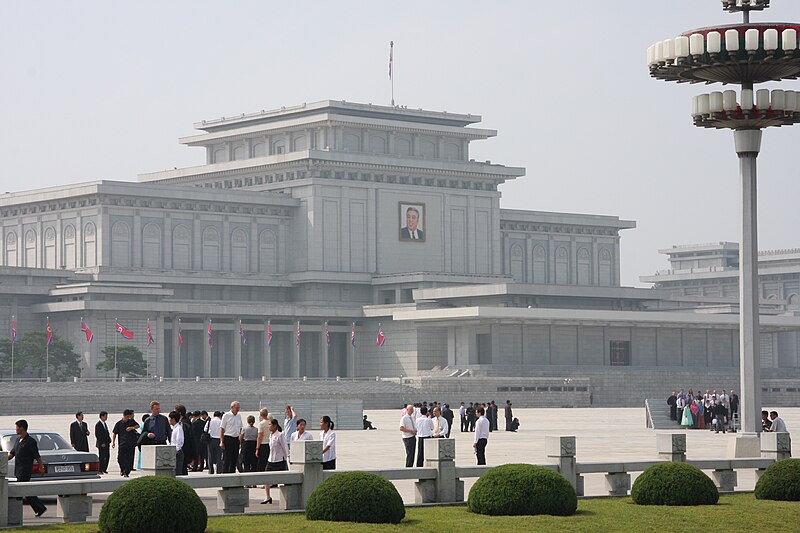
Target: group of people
219,443
469,416
698,410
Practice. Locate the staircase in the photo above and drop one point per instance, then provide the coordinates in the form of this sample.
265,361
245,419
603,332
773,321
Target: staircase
657,414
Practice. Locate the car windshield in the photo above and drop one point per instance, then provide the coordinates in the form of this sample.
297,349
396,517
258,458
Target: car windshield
45,441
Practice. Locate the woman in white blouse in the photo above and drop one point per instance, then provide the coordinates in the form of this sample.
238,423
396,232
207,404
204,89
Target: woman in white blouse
301,433
328,438
278,452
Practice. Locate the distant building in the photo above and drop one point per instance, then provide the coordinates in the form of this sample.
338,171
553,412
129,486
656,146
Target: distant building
316,217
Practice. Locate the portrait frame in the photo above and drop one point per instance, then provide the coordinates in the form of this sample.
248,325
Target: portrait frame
402,232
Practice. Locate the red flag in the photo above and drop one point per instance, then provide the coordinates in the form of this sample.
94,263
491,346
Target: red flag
298,334
210,336
86,331
353,335
49,334
242,335
13,332
269,334
122,330
180,337
327,335
150,339
381,338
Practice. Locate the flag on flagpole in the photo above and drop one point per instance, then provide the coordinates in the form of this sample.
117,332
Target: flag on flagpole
210,335
13,332
122,330
298,334
150,339
327,335
391,58
353,335
86,331
381,338
242,335
180,335
49,333
269,334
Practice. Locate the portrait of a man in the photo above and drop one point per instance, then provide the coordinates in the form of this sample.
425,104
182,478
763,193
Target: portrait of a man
412,222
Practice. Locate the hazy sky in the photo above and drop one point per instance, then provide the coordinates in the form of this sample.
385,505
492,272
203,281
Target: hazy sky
102,90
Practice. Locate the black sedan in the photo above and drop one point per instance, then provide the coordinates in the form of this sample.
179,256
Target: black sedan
61,461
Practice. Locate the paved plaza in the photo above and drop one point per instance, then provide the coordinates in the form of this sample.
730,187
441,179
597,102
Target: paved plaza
602,435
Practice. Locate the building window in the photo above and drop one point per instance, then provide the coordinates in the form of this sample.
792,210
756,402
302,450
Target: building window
620,353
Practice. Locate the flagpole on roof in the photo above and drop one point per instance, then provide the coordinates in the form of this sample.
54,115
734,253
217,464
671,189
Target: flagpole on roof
391,67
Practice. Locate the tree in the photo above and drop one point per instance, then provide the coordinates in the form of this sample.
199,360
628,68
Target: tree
30,356
5,356
130,361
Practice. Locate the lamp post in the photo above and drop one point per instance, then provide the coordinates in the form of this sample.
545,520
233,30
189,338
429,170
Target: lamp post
743,54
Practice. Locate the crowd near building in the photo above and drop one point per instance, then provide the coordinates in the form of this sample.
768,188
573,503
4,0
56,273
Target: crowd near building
342,239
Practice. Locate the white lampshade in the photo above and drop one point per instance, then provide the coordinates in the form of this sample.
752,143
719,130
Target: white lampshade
715,102
789,38
778,100
682,46
651,54
668,46
762,99
791,101
750,39
695,107
697,44
729,102
659,52
714,42
732,41
771,40
797,107
703,104
747,99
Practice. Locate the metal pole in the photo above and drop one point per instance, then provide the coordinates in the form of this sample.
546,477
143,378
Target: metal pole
748,145
47,354
13,342
115,348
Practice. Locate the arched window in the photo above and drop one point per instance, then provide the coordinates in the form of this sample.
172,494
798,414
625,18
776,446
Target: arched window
402,146
377,144
259,150
605,271
539,264
50,248
120,244
352,143
452,151
11,249
562,266
584,267
428,149
211,249
181,248
220,155
239,152
151,246
30,249
300,143
89,245
239,249
70,256
267,252
517,261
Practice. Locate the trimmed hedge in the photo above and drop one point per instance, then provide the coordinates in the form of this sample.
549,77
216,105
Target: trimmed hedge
518,489
156,504
674,484
356,497
780,481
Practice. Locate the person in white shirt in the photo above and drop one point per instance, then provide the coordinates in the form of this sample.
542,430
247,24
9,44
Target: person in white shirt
462,412
408,430
177,441
424,431
278,453
214,451
778,425
481,435
230,429
289,423
328,437
301,433
440,425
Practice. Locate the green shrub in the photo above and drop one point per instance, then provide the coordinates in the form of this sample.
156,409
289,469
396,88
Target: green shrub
518,489
780,481
356,497
156,504
674,484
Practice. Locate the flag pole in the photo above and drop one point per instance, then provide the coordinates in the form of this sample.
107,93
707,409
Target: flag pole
116,321
13,342
391,67
147,363
47,354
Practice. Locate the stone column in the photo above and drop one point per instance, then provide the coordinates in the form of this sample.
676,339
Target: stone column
4,490
207,351
74,508
158,460
176,349
161,340
446,488
237,349
725,479
671,446
776,446
233,500
618,483
563,450
306,458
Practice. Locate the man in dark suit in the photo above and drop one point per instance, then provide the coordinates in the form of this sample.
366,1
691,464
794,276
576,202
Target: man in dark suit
509,415
79,433
103,439
411,231
26,451
200,447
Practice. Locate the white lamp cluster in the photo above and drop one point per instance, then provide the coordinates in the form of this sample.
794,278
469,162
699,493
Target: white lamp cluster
754,109
744,5
693,47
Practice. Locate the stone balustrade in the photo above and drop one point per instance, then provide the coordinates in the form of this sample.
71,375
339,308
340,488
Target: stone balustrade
440,481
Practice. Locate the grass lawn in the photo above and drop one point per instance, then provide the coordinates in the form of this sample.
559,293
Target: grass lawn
734,513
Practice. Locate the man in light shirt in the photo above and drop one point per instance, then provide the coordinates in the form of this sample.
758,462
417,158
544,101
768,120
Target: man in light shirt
481,435
440,425
778,425
289,424
424,431
409,431
230,429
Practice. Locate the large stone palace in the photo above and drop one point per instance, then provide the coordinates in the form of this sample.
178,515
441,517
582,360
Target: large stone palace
326,218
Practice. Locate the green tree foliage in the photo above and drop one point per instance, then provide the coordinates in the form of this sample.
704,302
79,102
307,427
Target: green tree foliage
130,361
30,356
780,481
